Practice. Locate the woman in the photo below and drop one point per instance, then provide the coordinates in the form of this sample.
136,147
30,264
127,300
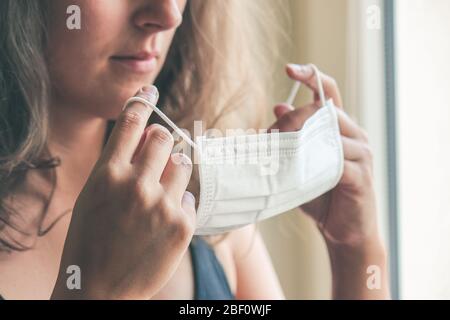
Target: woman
120,211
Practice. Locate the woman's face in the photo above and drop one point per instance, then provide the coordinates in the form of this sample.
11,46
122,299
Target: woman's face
121,46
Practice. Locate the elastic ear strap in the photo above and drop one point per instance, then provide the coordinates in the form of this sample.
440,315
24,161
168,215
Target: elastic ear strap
319,84
294,92
297,85
164,117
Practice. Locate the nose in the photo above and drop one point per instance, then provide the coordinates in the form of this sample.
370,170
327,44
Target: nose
158,15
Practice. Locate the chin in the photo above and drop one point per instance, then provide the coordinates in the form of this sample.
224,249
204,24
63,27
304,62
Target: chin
109,114
110,103
110,109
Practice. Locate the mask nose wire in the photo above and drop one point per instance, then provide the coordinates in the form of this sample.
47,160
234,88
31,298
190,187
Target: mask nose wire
296,87
165,118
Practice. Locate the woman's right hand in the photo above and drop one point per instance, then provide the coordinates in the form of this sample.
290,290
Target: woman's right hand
134,219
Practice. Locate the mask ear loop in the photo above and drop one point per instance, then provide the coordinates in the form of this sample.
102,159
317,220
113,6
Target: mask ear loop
294,91
165,118
290,100
319,85
297,85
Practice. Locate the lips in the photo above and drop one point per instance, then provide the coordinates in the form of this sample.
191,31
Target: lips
141,62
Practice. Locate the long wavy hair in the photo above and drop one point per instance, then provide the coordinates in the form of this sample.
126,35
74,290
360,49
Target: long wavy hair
218,70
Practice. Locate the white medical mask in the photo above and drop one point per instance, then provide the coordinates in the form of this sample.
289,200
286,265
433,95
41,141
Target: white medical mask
245,179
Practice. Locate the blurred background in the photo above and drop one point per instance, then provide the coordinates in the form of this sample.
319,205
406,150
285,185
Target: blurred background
391,61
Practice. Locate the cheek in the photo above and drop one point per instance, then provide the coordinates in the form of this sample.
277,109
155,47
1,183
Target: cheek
67,47
166,39
78,59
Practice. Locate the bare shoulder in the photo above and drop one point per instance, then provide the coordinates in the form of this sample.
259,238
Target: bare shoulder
253,275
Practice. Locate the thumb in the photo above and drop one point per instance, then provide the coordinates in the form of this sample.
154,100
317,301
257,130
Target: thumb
281,109
151,94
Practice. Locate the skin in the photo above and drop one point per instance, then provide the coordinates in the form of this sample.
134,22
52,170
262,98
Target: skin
132,219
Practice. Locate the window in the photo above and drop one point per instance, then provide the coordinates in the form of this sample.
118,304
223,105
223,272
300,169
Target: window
422,46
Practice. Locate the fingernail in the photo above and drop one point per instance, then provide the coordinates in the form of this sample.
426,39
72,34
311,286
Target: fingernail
297,68
150,93
189,198
182,159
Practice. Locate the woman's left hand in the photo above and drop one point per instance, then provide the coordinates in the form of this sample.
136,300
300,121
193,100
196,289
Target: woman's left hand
347,214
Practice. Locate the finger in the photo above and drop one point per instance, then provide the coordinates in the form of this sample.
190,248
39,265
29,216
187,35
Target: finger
176,175
188,205
351,171
354,150
294,120
356,176
349,128
129,127
306,75
281,109
155,153
140,145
